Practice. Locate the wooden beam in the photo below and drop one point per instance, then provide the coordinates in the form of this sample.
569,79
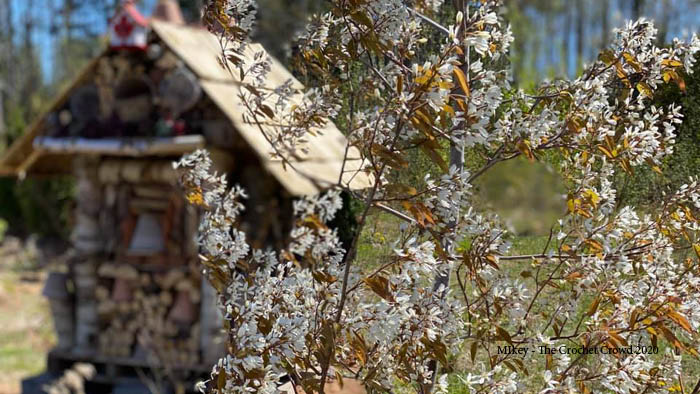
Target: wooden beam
134,147
21,170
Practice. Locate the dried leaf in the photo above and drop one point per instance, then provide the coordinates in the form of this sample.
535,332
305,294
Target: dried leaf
594,306
632,61
606,151
681,320
502,334
633,318
524,148
670,337
671,63
380,286
462,81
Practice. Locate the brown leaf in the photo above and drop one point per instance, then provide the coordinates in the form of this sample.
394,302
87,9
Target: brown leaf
574,275
267,111
324,277
503,335
392,158
462,81
397,189
622,74
618,338
380,285
594,306
595,245
670,337
434,155
437,349
264,325
606,151
681,321
633,318
361,18
632,61
524,148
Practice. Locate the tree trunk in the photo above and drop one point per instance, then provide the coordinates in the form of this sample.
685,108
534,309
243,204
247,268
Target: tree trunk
664,22
3,131
605,23
566,43
637,9
580,31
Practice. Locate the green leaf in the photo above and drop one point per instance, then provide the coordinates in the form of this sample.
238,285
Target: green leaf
645,89
607,57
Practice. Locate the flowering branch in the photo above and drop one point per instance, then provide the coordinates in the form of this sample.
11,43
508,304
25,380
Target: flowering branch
311,312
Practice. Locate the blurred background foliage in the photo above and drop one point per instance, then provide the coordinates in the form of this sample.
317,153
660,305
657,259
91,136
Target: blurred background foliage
44,44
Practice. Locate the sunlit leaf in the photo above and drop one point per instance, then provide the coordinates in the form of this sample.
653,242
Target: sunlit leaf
462,81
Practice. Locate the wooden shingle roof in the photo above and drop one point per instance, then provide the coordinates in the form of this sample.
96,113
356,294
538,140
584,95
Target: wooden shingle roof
316,169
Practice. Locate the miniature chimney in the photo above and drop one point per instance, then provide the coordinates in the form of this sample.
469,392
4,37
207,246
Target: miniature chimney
168,11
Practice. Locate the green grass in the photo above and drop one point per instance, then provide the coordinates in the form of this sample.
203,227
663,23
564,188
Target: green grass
23,359
374,248
527,196
26,329
3,229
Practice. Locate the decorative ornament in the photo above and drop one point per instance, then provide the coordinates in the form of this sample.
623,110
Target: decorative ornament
179,91
147,239
183,311
128,28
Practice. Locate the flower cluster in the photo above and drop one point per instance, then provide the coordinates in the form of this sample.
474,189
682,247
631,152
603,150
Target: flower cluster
608,275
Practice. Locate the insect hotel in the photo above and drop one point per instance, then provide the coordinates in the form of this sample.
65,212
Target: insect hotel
132,295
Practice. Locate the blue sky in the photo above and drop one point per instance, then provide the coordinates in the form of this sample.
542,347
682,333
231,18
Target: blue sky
44,11
687,17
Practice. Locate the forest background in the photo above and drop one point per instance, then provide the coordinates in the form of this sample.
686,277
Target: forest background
45,43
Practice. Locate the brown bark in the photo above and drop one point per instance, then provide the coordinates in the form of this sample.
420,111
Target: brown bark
580,33
605,22
664,22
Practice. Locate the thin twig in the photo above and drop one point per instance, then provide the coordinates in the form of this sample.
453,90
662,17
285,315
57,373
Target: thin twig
429,21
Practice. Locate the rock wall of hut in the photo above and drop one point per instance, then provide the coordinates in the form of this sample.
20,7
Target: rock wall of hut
138,289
